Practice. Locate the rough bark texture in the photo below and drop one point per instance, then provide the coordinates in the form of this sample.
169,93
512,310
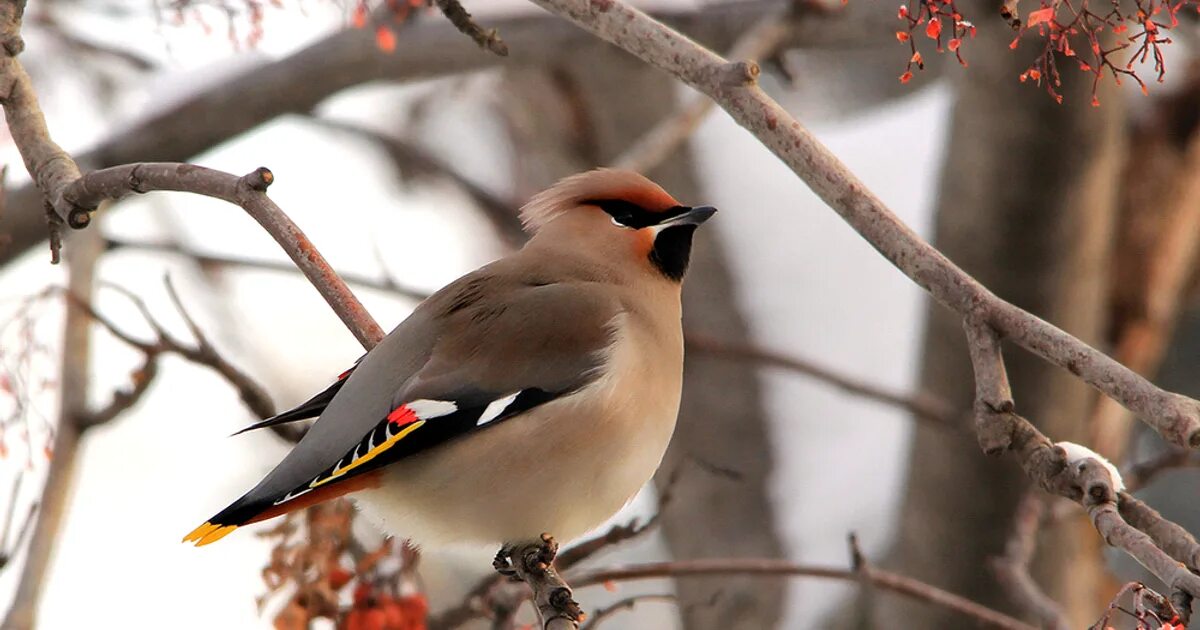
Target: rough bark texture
1026,205
592,121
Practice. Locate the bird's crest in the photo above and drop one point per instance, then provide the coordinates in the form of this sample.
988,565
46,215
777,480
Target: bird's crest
601,183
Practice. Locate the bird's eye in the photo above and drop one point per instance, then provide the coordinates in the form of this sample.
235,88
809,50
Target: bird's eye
621,220
625,213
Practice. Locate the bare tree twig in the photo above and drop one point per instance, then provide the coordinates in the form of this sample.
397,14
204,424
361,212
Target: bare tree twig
1170,537
885,580
487,39
1146,603
603,614
7,551
1012,569
759,41
1139,475
408,156
732,85
922,406
202,259
253,395
249,192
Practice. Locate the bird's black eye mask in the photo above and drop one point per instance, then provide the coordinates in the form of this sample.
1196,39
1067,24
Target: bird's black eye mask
631,215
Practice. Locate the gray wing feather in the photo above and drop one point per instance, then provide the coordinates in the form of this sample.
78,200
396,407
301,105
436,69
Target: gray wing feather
490,331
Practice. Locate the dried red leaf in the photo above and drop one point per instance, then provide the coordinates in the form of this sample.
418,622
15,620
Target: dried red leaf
954,44
906,77
1040,16
933,30
901,36
359,19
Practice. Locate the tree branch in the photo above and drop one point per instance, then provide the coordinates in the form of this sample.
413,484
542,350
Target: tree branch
458,16
386,283
1012,569
1175,417
1087,481
759,41
49,166
248,192
922,406
886,580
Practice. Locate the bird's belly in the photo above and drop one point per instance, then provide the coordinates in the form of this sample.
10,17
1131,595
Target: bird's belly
563,468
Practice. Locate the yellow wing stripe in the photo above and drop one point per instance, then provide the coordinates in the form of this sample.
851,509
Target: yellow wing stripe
209,532
339,472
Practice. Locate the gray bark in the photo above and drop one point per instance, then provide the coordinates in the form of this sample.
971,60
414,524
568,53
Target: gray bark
603,101
1027,202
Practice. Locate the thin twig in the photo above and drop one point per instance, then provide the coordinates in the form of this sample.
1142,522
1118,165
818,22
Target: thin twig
410,158
1012,569
760,41
253,395
886,580
923,406
488,39
248,192
386,283
603,614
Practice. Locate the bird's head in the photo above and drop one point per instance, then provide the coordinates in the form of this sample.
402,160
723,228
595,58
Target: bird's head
619,215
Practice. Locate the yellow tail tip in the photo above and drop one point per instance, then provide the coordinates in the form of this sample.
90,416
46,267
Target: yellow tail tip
208,533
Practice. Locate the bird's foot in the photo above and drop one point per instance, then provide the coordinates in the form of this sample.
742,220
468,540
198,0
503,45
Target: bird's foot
535,558
539,557
533,563
502,563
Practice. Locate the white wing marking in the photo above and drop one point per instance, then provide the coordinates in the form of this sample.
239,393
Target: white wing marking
495,408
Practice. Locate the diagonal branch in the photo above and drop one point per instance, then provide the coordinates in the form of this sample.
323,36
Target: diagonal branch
732,85
248,192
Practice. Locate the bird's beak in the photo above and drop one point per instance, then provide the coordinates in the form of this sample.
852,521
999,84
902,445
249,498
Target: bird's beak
693,216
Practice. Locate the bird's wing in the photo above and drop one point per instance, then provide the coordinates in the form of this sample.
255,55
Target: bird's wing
310,408
488,349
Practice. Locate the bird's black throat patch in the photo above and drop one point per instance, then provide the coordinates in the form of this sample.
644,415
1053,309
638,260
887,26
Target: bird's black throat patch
672,250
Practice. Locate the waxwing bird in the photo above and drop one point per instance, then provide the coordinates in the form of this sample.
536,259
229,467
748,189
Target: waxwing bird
535,394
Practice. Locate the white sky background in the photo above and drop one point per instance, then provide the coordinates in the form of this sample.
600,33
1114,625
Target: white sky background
152,475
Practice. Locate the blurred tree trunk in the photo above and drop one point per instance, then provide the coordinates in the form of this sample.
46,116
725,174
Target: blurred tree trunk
581,114
1027,203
